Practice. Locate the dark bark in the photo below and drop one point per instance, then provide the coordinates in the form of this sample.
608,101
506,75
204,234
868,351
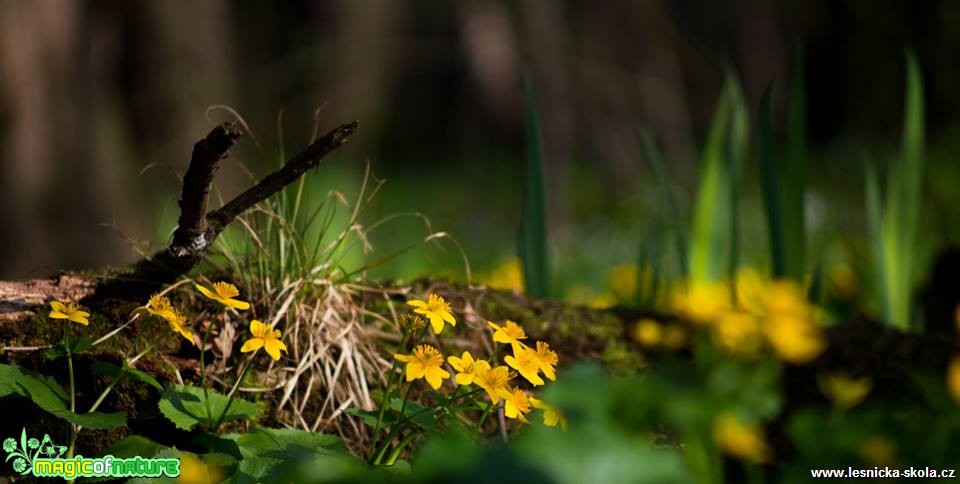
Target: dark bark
197,229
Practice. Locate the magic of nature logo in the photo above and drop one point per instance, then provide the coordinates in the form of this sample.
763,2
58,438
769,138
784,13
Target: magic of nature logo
43,458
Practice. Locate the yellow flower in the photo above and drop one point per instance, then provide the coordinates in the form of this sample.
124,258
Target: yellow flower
623,281
744,441
702,302
516,404
411,322
511,333
69,311
527,364
551,416
785,298
491,379
466,367
425,362
178,324
844,391
265,337
158,305
953,379
436,309
739,333
224,293
796,340
195,471
648,332
547,359
878,451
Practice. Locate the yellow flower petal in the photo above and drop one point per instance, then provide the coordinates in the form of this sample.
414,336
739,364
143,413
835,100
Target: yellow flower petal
273,347
252,344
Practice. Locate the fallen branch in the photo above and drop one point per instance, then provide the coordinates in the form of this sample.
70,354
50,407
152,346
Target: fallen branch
197,229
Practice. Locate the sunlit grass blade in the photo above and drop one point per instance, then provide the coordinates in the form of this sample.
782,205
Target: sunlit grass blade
532,236
895,226
874,208
711,242
770,185
737,147
655,157
793,179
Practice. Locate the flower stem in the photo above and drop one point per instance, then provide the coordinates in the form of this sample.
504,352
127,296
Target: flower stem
233,393
73,395
392,458
388,391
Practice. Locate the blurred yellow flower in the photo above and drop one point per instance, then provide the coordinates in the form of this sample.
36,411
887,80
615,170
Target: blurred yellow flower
516,404
526,363
195,471
510,333
843,280
623,281
551,416
436,309
739,333
491,379
741,440
466,367
844,391
426,362
785,298
69,311
224,293
953,379
878,451
648,332
796,340
547,359
507,275
702,302
750,287
264,336
602,301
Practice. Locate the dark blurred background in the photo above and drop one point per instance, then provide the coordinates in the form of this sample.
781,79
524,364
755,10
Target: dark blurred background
101,101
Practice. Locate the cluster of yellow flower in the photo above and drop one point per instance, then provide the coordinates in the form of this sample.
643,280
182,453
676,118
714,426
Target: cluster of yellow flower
774,313
427,362
262,335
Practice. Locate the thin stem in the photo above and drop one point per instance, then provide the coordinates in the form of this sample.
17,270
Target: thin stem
73,395
387,393
483,417
392,458
233,393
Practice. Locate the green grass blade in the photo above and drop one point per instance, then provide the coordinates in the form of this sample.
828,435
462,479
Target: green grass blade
794,179
904,191
655,157
532,236
770,185
875,225
737,148
710,237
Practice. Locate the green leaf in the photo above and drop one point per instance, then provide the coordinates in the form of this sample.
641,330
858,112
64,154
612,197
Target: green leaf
711,244
673,213
418,414
186,406
770,185
267,451
73,345
370,417
48,395
532,236
793,178
133,445
104,368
